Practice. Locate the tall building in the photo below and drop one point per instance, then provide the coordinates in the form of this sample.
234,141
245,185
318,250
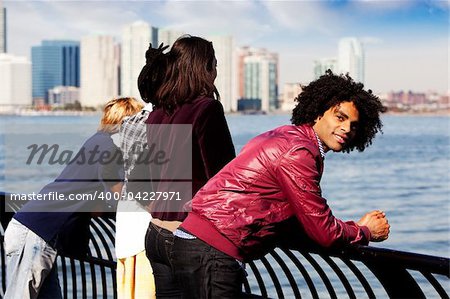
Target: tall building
55,63
258,77
168,36
99,82
135,41
290,92
3,48
322,65
351,58
15,82
226,71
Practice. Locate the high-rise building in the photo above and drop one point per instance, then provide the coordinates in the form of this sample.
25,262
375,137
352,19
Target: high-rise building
15,82
351,58
290,92
322,65
100,57
258,77
226,71
168,36
136,38
55,63
3,48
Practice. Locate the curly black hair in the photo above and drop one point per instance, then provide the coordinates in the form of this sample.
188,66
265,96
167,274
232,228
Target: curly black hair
330,90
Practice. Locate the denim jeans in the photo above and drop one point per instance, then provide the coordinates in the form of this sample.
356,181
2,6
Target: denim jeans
31,269
158,244
205,272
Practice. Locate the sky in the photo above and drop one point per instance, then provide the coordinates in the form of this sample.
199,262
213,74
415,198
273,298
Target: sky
406,42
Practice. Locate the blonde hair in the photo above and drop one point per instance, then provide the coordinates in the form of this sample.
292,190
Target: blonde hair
115,111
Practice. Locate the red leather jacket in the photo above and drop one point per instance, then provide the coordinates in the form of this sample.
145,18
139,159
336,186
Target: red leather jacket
242,209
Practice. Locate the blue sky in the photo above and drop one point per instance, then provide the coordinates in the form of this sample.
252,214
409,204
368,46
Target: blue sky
406,42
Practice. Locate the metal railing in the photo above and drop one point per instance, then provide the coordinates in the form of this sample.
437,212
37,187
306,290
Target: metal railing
353,272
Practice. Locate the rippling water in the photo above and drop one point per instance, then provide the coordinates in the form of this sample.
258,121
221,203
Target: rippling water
405,172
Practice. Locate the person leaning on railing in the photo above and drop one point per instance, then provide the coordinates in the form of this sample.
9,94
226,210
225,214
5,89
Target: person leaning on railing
273,187
41,230
188,126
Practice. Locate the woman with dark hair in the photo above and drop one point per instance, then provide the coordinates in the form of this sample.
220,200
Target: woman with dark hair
188,127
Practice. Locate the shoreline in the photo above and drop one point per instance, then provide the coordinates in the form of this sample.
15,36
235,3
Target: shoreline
272,113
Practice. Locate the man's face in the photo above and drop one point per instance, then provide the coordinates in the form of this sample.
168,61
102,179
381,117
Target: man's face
337,127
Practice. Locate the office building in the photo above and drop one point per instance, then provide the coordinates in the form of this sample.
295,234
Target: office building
55,63
63,95
15,82
226,71
136,38
258,77
3,48
99,81
324,64
351,58
168,36
290,92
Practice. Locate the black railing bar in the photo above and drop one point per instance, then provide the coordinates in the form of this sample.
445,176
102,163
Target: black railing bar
247,286
288,274
273,276
435,283
103,242
104,286
74,278
108,230
341,276
114,282
413,261
396,280
3,257
303,271
94,242
98,261
259,279
360,277
83,280
322,274
64,269
93,280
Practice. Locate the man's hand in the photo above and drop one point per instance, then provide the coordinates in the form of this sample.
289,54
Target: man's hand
377,224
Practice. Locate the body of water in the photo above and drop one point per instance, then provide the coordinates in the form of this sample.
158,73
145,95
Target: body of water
405,172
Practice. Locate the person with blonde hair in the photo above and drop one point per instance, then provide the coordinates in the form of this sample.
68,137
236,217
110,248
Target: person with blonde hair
43,229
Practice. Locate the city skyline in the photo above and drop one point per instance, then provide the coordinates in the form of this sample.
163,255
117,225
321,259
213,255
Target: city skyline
406,43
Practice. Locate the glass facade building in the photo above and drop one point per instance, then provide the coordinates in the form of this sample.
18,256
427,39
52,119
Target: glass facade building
55,63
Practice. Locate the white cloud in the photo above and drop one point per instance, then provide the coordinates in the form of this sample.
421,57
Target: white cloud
300,31
305,16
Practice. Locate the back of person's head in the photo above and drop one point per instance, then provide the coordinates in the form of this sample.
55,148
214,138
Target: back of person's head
331,90
190,73
153,72
115,111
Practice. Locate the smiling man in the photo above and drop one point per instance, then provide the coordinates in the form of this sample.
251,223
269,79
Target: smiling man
271,191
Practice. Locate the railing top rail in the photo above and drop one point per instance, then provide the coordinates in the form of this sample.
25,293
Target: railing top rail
416,261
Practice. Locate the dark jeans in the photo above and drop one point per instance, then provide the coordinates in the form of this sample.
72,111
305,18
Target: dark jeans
158,244
204,272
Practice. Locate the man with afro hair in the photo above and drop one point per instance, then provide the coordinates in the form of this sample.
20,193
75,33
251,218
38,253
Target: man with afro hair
271,191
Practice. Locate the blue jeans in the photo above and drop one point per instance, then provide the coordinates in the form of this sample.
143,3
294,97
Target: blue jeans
205,272
158,244
30,265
